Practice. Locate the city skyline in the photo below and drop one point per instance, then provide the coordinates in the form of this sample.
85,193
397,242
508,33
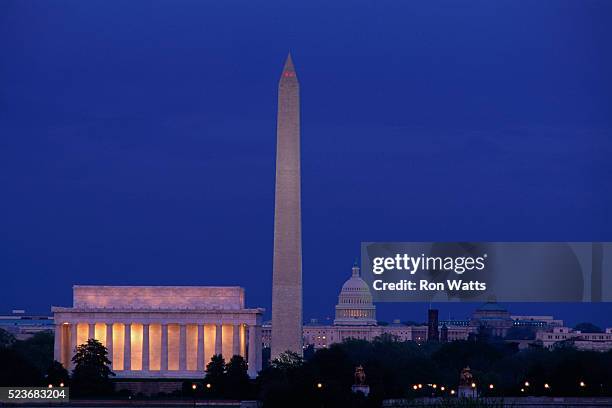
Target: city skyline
122,161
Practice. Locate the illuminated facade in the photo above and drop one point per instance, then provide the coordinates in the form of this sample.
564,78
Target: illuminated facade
160,331
355,307
559,336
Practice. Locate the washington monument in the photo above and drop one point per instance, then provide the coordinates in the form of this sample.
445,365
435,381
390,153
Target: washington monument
287,265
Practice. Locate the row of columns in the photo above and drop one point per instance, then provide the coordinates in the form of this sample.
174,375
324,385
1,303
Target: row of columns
254,345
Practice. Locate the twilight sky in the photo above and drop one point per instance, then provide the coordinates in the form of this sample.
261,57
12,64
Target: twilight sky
137,139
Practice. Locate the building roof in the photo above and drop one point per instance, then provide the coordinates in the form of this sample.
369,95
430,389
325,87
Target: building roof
492,307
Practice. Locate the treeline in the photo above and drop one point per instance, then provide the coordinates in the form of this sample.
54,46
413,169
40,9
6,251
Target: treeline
25,362
397,369
394,369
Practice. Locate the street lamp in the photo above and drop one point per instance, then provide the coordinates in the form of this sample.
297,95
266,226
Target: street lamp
193,387
452,392
442,388
319,385
420,385
434,386
415,387
582,384
546,386
526,383
50,386
491,386
61,384
473,385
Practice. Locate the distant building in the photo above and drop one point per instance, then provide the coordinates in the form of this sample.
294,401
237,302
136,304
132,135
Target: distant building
23,326
454,323
492,316
559,336
536,322
432,325
454,333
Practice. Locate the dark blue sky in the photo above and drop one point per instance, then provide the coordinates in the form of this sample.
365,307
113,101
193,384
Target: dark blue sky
137,138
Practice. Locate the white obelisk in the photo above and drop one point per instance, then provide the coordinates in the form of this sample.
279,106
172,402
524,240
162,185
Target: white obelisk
287,268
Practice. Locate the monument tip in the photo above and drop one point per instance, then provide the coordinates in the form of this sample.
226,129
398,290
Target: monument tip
289,64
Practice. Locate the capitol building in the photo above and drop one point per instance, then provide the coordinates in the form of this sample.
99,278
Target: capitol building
355,318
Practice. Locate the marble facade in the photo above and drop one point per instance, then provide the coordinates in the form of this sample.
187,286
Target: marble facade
160,331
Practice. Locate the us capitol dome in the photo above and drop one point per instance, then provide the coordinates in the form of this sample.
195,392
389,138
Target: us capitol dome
355,305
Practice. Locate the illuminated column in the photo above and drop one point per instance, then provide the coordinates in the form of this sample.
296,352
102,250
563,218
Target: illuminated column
109,340
57,343
92,331
252,353
127,347
243,340
200,347
258,355
145,347
182,347
73,341
164,347
236,340
218,339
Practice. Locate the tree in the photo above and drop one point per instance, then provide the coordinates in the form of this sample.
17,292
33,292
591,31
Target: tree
38,350
309,351
521,333
215,375
287,361
23,362
6,339
57,374
16,370
91,374
278,382
238,382
265,357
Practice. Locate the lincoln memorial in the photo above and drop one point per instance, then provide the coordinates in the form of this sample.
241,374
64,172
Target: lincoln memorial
160,331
